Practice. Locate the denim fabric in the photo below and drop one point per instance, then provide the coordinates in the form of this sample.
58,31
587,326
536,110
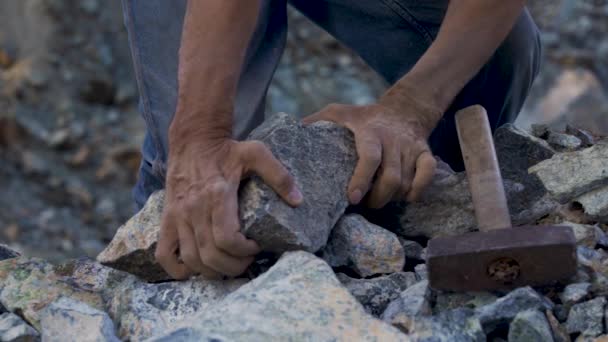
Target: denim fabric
390,35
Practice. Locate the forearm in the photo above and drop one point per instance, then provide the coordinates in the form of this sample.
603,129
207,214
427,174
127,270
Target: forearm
470,33
215,37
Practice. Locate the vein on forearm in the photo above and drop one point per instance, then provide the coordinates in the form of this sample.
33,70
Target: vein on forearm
214,41
470,33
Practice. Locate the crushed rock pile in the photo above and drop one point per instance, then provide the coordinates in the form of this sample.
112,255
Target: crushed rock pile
335,273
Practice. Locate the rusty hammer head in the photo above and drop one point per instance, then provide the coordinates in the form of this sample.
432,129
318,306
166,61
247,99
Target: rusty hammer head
501,258
498,256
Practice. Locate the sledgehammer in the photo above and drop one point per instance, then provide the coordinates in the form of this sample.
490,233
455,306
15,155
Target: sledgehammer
496,257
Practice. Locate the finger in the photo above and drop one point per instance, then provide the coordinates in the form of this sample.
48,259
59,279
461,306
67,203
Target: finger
408,170
369,151
217,260
166,253
329,113
389,177
425,170
258,159
188,250
226,225
190,255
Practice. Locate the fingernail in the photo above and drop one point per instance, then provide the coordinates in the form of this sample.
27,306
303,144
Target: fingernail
355,196
295,196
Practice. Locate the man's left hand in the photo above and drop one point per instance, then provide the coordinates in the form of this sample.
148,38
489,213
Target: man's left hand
394,157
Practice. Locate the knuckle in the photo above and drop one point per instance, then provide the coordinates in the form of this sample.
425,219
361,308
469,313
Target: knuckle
222,241
209,257
284,182
189,257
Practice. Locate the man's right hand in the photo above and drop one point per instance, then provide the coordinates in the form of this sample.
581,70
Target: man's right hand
200,229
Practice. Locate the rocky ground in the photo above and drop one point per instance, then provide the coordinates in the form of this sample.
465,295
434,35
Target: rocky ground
329,273
69,151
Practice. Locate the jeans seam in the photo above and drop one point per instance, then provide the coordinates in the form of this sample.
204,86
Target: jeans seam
405,14
143,89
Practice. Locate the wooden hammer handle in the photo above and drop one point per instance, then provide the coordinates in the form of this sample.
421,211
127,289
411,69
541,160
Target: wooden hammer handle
485,181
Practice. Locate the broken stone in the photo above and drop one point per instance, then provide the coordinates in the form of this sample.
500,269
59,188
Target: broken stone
132,248
445,301
563,141
585,137
584,234
539,130
595,203
559,332
568,175
413,302
29,285
506,308
421,272
67,320
530,325
7,253
574,293
368,248
299,298
459,325
321,157
587,318
445,207
14,329
412,249
516,151
376,293
143,310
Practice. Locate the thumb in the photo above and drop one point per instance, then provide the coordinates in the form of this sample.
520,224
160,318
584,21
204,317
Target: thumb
259,160
329,113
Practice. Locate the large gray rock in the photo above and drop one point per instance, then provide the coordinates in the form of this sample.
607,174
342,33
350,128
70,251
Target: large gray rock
367,248
376,293
444,208
299,298
460,325
142,310
321,157
29,285
70,320
570,174
530,325
517,151
595,203
506,308
14,329
132,248
413,302
587,318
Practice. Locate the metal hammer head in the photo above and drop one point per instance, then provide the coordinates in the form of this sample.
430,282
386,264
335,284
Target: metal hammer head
502,258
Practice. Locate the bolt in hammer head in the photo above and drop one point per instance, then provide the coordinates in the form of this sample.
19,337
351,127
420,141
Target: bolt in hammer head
502,258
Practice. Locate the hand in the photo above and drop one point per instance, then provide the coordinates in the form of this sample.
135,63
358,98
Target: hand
200,230
391,146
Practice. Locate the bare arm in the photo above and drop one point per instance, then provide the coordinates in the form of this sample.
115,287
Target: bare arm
200,230
470,33
391,135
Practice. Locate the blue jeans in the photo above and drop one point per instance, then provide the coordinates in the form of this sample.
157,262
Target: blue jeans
390,35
